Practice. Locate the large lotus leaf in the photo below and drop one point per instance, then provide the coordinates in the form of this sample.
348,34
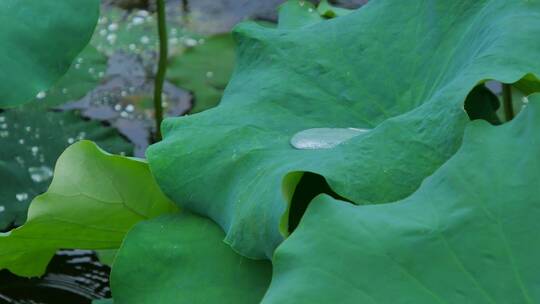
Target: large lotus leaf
400,68
468,235
181,258
204,69
40,39
93,200
31,140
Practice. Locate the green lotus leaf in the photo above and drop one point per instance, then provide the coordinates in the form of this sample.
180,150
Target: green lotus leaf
399,69
93,200
40,39
187,261
204,70
468,235
296,14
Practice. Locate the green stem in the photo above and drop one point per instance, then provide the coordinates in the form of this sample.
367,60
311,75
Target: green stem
185,12
507,102
185,7
162,67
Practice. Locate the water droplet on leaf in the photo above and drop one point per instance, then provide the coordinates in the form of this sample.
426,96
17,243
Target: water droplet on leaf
324,138
40,174
21,197
41,95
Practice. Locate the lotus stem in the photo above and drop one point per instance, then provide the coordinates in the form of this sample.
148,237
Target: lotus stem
162,67
507,101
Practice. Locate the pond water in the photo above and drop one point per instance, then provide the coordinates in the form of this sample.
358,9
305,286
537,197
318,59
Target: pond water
73,276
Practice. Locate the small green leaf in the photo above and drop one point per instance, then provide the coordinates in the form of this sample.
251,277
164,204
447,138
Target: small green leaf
93,200
468,235
204,69
329,11
40,39
181,258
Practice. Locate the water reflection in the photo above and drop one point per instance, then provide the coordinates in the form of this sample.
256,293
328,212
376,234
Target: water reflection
73,276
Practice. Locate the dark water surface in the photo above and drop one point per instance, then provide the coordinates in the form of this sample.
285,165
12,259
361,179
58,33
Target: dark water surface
73,276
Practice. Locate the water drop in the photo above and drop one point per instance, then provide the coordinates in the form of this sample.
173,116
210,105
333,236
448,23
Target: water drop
112,27
2,208
324,138
19,160
145,39
111,38
191,42
21,197
41,95
137,20
143,13
40,174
